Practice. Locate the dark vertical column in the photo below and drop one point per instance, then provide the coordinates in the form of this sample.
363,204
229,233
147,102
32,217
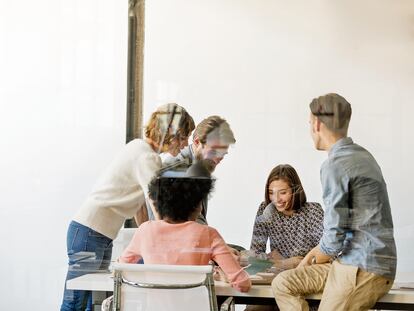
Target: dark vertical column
136,26
134,125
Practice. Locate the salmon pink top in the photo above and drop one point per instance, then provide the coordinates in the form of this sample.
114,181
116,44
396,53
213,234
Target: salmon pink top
188,243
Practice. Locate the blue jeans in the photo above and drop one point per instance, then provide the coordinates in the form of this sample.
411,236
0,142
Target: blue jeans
88,252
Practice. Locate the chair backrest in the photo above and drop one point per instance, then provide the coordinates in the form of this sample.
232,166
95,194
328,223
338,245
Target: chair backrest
163,288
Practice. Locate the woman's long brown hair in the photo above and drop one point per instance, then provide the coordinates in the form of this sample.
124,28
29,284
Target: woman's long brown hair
288,174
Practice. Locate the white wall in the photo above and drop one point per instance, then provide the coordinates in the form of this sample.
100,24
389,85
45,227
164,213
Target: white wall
260,62
62,118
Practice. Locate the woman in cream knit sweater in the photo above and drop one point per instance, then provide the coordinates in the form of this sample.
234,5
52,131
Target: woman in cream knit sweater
118,195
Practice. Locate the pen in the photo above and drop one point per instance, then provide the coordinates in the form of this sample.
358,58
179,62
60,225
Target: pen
246,266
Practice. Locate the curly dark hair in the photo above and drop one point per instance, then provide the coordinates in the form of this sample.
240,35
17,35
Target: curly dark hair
178,197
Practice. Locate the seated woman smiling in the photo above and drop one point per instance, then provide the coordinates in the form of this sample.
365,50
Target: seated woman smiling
291,224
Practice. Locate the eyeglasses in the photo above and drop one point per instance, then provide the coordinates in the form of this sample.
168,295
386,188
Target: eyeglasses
323,114
216,152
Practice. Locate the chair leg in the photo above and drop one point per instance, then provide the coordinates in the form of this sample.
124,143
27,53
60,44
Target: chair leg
228,304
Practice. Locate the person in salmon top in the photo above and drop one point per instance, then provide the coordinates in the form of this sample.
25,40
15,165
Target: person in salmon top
177,239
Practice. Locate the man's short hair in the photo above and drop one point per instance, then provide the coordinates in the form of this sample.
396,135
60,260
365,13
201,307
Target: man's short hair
168,122
333,110
214,127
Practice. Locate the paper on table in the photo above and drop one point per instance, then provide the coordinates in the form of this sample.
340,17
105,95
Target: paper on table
257,265
403,285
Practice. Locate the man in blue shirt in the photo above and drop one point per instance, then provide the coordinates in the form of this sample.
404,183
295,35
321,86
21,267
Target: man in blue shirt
354,264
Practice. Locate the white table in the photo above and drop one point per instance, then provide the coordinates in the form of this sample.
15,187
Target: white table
259,294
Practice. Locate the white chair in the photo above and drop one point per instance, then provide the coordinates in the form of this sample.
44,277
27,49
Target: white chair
165,288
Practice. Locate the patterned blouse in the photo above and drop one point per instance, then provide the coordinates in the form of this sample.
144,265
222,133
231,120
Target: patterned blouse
291,236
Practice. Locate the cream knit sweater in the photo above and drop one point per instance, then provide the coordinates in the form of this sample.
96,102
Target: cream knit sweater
121,190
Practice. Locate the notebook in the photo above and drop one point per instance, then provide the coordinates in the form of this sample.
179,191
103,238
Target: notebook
258,271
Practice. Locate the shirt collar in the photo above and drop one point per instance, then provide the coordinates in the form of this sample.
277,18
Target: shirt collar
191,151
340,143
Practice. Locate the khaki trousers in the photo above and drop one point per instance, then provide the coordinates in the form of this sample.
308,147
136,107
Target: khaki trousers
343,287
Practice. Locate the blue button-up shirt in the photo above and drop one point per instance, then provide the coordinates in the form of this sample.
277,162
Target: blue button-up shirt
358,223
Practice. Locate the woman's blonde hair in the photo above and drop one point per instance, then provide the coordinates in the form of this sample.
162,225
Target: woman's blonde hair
168,122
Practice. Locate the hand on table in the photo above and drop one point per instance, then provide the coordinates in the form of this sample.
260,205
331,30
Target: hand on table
219,275
275,256
315,256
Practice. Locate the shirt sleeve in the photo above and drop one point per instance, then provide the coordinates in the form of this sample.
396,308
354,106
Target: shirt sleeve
132,253
316,222
168,159
147,167
260,232
238,278
337,219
